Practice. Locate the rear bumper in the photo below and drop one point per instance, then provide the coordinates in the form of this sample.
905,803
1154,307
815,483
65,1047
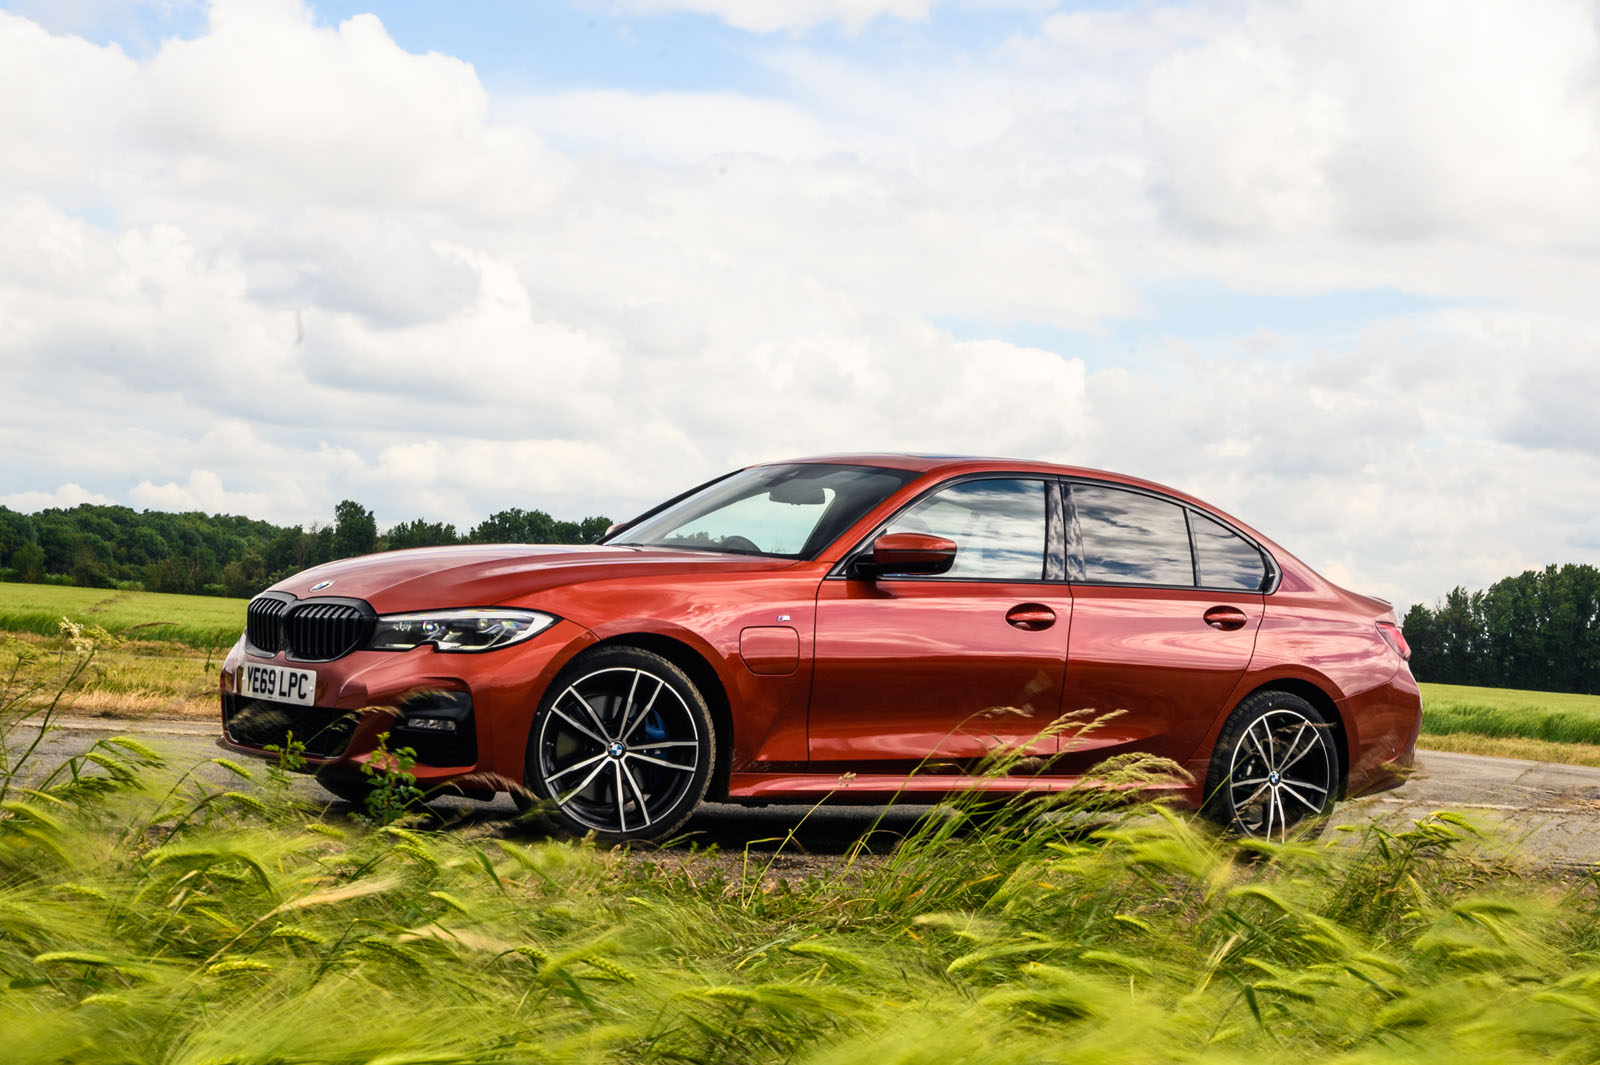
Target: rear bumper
1381,727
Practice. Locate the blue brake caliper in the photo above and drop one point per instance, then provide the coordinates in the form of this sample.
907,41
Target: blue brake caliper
655,730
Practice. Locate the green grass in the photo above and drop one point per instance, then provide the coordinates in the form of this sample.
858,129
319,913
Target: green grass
200,621
148,916
1555,717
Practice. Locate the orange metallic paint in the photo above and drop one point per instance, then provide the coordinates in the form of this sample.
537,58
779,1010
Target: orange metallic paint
1146,671
915,668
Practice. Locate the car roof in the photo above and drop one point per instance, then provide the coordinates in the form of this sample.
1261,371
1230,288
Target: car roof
956,464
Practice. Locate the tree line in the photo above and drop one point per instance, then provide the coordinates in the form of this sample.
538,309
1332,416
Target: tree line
223,554
1538,630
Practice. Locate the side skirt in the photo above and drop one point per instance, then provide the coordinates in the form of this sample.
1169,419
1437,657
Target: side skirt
877,788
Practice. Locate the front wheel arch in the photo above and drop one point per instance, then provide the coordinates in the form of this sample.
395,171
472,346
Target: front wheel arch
605,736
706,678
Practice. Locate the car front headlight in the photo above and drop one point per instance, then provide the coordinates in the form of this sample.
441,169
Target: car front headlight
471,629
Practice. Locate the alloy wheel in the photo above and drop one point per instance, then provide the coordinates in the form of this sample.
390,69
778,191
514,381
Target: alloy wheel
618,749
1282,771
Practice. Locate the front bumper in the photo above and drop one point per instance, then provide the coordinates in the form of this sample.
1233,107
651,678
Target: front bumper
489,698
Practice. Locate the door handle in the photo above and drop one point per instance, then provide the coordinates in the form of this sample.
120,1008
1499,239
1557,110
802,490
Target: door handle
1031,617
1226,618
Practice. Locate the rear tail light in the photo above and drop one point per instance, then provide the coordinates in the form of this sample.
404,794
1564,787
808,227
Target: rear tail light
1395,638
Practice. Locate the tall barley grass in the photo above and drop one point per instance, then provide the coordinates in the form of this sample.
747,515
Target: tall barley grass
146,916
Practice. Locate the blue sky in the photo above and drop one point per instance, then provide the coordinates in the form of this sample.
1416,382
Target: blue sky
540,45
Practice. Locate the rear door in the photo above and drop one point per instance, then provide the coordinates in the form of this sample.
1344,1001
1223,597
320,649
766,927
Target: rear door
1167,603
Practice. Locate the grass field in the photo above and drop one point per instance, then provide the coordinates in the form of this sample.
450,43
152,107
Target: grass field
198,621
1547,719
165,661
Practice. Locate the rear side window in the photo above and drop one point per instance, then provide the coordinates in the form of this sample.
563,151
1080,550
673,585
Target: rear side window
1224,558
1128,538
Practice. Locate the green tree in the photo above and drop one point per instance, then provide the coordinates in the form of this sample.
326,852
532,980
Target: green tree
515,526
419,533
28,561
355,531
1418,625
15,531
1539,629
591,529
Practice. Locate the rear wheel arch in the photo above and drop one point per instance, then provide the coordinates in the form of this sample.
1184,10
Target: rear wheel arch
1325,705
705,678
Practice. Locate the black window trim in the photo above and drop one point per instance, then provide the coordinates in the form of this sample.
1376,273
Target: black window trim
1269,582
1055,562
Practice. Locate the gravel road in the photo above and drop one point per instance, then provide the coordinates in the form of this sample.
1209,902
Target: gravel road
1551,812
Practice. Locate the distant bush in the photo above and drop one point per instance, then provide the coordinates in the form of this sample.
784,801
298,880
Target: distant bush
118,548
1539,630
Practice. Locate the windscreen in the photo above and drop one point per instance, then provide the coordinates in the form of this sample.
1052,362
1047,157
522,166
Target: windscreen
788,511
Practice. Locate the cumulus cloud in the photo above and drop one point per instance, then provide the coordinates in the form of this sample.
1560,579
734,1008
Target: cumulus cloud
280,263
674,127
67,495
203,491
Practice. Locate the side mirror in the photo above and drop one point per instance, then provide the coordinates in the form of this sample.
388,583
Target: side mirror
907,553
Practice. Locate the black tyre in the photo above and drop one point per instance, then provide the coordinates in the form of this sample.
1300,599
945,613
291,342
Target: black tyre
1275,769
622,746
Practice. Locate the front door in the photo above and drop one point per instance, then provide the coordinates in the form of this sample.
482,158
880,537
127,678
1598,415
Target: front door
957,666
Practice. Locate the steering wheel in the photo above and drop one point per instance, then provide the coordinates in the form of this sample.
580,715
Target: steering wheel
738,543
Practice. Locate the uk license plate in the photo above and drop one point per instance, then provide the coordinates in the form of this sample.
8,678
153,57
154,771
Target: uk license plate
279,684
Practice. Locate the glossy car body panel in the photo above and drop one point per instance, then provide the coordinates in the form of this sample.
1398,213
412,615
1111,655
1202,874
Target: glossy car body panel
918,668
816,675
1149,671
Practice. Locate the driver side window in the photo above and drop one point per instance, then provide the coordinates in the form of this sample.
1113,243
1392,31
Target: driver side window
998,527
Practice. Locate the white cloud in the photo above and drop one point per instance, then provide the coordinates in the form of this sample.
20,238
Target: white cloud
673,127
204,491
1391,122
279,265
67,495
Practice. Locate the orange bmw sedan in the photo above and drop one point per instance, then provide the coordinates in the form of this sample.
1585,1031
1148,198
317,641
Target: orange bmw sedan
829,629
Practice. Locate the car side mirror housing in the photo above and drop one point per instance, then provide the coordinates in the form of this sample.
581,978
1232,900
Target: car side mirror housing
907,554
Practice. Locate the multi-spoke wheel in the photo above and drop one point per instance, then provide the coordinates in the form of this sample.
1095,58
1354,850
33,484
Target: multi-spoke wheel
622,745
1274,766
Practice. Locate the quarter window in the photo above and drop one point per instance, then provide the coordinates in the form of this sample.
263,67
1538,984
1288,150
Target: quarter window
1127,538
1224,558
998,527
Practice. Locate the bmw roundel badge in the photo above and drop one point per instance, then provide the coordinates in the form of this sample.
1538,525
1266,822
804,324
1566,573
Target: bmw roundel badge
321,585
